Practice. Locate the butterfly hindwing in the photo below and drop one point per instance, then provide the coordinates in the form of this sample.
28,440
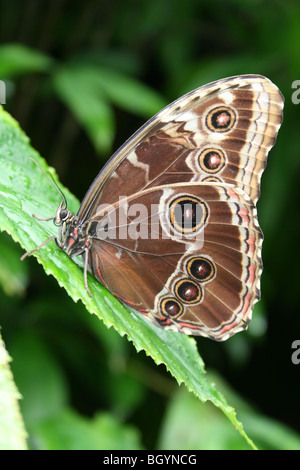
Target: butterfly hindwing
206,269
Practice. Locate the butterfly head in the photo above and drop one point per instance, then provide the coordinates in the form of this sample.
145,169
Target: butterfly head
73,236
63,215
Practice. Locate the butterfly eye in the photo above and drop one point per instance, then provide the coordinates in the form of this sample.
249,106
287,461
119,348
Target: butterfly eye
63,215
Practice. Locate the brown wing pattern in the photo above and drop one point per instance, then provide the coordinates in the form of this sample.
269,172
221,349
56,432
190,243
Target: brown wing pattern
206,151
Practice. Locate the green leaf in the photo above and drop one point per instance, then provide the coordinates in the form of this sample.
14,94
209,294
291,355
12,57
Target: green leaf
23,191
130,94
13,276
80,91
12,431
90,90
206,428
71,431
42,398
268,433
17,59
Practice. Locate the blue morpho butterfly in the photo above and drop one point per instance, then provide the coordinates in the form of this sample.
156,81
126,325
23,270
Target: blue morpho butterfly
169,225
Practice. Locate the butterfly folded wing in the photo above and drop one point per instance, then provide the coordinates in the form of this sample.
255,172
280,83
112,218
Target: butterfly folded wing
169,225
206,151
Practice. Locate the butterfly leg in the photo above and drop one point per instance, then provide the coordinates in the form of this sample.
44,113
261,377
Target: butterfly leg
38,247
86,253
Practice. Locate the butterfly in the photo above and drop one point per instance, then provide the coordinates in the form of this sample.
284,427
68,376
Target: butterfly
169,225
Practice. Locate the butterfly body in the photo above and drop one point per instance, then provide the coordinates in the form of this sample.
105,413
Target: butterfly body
170,225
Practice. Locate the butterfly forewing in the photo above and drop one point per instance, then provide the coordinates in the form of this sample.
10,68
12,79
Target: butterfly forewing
221,132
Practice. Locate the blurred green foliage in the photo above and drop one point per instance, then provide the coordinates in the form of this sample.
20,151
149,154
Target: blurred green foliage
80,80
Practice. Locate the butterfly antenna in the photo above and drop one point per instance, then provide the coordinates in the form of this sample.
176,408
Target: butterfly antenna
52,182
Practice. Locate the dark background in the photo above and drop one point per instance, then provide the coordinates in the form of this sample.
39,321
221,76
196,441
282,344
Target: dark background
171,47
